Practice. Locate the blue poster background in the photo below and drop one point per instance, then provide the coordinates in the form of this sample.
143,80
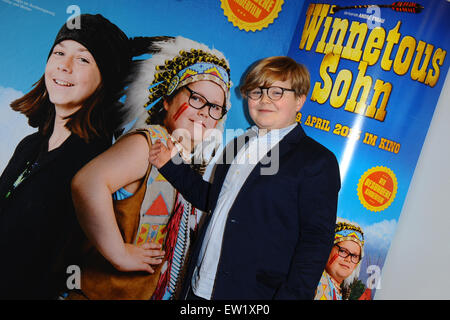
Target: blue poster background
408,112
29,28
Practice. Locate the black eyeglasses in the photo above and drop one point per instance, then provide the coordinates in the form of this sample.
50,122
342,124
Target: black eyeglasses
344,253
274,93
197,101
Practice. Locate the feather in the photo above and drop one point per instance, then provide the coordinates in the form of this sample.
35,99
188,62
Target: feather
406,6
141,45
399,6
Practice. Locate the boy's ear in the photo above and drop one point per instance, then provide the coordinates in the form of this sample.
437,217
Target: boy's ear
300,102
165,104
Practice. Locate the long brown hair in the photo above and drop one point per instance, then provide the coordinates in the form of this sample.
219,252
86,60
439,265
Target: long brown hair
157,112
96,119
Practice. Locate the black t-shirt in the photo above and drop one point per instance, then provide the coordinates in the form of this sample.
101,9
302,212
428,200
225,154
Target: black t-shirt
38,225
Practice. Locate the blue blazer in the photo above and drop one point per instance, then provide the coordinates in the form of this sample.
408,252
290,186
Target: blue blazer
280,228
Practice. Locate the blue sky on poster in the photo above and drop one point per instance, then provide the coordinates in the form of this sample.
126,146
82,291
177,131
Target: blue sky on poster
14,125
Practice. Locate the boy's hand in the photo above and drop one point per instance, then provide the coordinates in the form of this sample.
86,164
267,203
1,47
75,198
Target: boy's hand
159,154
139,258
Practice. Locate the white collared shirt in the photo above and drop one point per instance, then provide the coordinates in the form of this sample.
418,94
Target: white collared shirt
256,148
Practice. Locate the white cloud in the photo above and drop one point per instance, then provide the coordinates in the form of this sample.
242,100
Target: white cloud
379,235
13,125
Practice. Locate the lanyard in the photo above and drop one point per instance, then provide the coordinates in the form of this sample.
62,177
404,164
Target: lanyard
25,174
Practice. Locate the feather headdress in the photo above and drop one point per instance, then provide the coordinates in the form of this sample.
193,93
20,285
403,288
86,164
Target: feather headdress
174,63
349,231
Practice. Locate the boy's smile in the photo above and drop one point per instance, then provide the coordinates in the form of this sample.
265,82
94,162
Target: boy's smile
71,76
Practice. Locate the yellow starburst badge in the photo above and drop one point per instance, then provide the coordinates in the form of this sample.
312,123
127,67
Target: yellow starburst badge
377,188
251,15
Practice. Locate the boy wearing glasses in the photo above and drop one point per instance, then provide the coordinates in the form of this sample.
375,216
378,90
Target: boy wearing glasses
343,263
269,233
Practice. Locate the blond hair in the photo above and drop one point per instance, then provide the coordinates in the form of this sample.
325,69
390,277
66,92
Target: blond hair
279,68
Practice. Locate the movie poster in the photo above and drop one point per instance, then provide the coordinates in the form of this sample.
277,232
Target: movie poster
377,69
245,31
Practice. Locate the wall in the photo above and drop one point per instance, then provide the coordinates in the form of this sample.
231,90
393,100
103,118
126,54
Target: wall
419,258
